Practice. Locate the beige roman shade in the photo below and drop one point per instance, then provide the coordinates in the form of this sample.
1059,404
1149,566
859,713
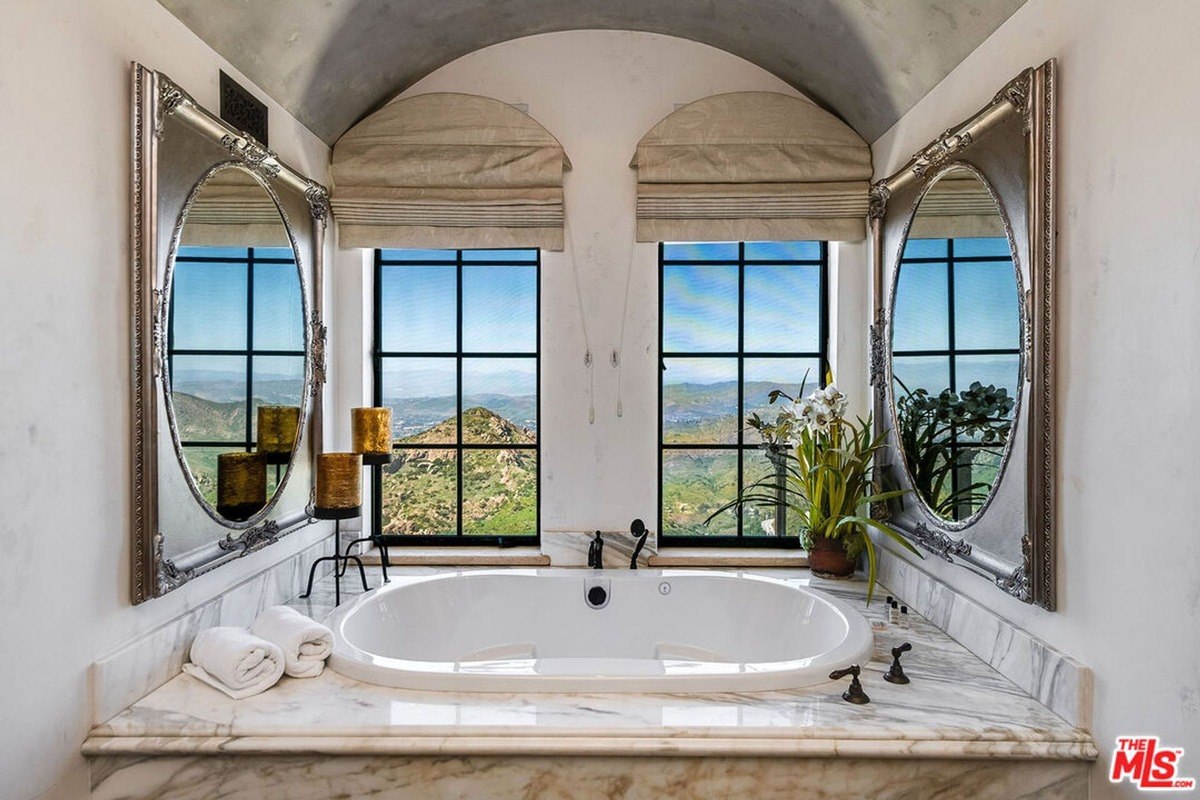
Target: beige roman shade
749,166
449,170
233,210
957,207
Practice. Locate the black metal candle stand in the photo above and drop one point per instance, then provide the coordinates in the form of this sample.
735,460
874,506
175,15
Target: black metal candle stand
341,564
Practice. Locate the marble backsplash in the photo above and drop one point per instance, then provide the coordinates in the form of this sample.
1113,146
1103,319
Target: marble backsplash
570,548
1053,678
123,677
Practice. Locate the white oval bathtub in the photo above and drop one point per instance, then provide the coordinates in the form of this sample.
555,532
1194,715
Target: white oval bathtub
518,630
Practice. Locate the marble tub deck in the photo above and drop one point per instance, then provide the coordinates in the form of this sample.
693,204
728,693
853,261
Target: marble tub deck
959,716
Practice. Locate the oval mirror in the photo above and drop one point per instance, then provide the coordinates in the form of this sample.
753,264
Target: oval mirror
956,354
236,345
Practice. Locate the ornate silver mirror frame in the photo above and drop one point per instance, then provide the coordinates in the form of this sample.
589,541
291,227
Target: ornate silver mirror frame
1010,142
158,194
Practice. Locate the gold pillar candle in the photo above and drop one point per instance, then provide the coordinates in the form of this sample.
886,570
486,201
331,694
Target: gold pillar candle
278,427
241,485
339,485
371,434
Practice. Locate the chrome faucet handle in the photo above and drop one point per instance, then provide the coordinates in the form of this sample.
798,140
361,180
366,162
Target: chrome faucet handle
855,693
895,673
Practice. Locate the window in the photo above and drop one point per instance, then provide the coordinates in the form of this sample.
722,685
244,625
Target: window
736,320
457,361
235,341
957,321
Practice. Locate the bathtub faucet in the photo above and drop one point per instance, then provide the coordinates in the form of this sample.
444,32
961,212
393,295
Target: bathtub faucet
638,529
596,552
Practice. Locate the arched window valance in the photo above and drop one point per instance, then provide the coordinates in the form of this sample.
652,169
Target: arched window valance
449,170
750,166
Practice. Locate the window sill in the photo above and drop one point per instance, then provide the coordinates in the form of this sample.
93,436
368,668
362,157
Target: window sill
727,557
460,557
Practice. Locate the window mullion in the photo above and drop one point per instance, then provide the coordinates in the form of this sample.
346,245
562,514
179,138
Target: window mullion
458,362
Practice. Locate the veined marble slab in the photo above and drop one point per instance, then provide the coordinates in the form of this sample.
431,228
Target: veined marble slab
956,707
1055,679
599,777
120,678
570,548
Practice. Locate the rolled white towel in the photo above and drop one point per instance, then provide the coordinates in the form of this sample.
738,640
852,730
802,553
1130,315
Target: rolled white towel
235,661
305,643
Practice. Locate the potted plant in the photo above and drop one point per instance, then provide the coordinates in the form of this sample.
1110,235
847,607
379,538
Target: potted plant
826,464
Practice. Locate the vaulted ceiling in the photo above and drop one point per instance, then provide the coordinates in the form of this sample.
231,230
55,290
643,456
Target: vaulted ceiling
332,62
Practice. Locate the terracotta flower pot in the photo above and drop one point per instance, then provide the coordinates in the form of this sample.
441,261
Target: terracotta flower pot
827,558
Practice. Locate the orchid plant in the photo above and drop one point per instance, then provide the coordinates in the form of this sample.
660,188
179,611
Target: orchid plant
827,468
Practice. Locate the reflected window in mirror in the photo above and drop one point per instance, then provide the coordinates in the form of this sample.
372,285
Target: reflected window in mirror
235,342
736,320
457,355
956,366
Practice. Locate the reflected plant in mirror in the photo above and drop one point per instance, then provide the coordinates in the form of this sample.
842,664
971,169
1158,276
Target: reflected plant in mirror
956,346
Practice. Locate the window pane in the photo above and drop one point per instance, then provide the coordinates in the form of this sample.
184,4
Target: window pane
921,314
700,251
758,519
783,251
278,381
423,396
500,492
762,375
499,400
419,308
998,371
699,400
208,305
418,255
500,309
925,248
278,313
420,493
982,246
783,309
695,483
931,373
209,397
986,306
524,256
700,309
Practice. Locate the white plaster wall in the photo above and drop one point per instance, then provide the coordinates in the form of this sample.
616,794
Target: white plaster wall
599,92
1128,360
64,366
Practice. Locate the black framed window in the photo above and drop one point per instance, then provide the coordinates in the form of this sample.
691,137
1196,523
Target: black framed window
457,359
736,320
957,321
235,341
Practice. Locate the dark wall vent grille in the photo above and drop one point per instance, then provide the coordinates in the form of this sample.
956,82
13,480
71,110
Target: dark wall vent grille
243,110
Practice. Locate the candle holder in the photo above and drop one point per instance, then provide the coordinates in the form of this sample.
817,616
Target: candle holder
371,435
338,497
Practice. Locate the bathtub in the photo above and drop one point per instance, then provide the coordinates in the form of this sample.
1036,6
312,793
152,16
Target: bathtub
563,630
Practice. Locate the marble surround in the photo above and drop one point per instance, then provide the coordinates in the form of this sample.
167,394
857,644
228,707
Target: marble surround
120,678
1055,679
315,777
956,707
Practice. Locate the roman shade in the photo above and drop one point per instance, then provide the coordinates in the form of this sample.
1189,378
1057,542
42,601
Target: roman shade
449,170
233,210
957,207
748,166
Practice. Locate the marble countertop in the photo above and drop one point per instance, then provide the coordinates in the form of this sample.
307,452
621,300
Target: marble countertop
956,707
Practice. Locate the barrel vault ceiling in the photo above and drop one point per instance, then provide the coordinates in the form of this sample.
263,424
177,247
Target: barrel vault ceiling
331,62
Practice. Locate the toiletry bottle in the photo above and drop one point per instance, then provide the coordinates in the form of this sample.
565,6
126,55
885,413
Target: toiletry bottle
905,622
894,613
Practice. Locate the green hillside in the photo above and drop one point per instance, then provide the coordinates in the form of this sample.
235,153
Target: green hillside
420,493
